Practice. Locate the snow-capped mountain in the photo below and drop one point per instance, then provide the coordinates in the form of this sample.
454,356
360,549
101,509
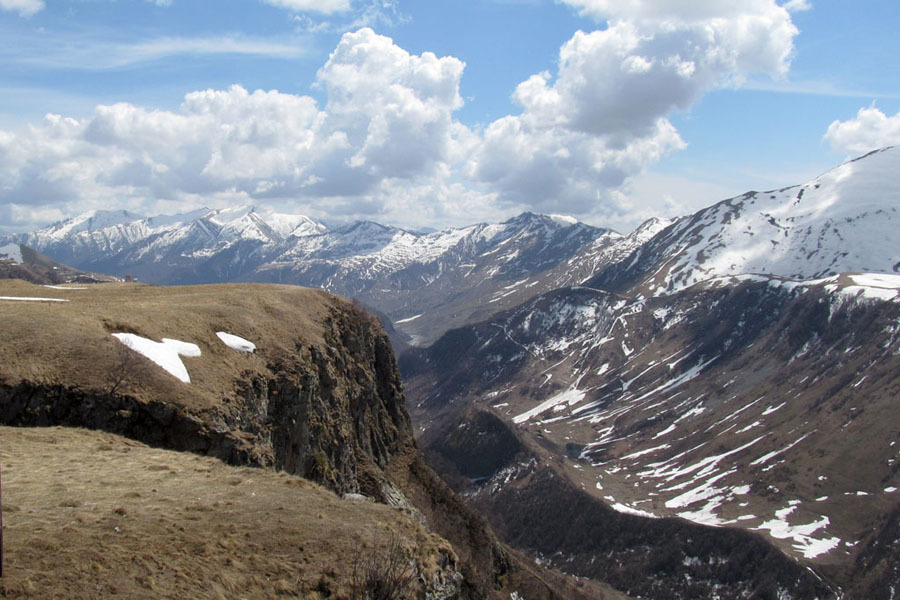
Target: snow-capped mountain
846,220
426,283
738,369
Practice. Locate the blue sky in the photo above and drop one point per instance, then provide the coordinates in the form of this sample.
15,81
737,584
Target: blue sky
434,112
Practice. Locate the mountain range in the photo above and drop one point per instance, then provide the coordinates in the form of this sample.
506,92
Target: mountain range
728,373
424,283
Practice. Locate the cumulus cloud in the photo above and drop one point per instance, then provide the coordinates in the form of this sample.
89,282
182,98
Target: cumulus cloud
388,116
604,116
729,39
870,130
26,8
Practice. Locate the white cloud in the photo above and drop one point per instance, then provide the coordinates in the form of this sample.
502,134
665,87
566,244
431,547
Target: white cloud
385,144
88,54
604,117
797,5
733,39
673,10
25,8
319,6
405,101
870,130
375,14
388,117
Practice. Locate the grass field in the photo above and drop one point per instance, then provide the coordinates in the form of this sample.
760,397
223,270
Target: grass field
92,515
70,343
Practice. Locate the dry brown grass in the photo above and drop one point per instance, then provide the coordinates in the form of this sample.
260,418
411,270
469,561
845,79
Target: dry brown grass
69,343
93,515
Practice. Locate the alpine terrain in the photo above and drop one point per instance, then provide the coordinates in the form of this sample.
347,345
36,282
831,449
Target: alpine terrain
424,283
737,372
704,407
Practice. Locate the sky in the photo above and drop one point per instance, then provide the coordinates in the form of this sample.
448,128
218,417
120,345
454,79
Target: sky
434,113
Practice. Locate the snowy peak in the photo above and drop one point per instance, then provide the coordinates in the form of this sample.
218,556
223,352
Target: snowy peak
843,221
541,224
94,220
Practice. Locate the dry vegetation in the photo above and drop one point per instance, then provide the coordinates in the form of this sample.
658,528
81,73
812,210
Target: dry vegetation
69,343
91,515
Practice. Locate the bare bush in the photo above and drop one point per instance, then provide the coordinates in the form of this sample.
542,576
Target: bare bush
383,573
128,364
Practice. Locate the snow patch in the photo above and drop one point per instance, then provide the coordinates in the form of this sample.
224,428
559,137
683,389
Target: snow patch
167,354
26,299
809,546
569,397
629,510
407,320
235,342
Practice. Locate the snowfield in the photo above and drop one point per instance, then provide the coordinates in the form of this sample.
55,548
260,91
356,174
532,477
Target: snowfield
167,354
235,342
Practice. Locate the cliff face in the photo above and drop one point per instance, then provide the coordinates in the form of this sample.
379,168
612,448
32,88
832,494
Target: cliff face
331,411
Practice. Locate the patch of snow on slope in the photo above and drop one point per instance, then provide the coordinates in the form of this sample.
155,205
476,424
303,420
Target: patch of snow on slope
235,342
878,280
628,510
26,299
407,320
769,456
570,397
801,534
875,286
167,354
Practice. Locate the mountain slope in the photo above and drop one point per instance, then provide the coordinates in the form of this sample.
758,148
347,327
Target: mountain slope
763,405
21,262
90,514
843,221
726,372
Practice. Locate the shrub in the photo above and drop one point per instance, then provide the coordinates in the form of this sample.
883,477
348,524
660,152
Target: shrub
383,573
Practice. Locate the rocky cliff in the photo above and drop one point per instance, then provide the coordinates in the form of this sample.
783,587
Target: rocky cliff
323,403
